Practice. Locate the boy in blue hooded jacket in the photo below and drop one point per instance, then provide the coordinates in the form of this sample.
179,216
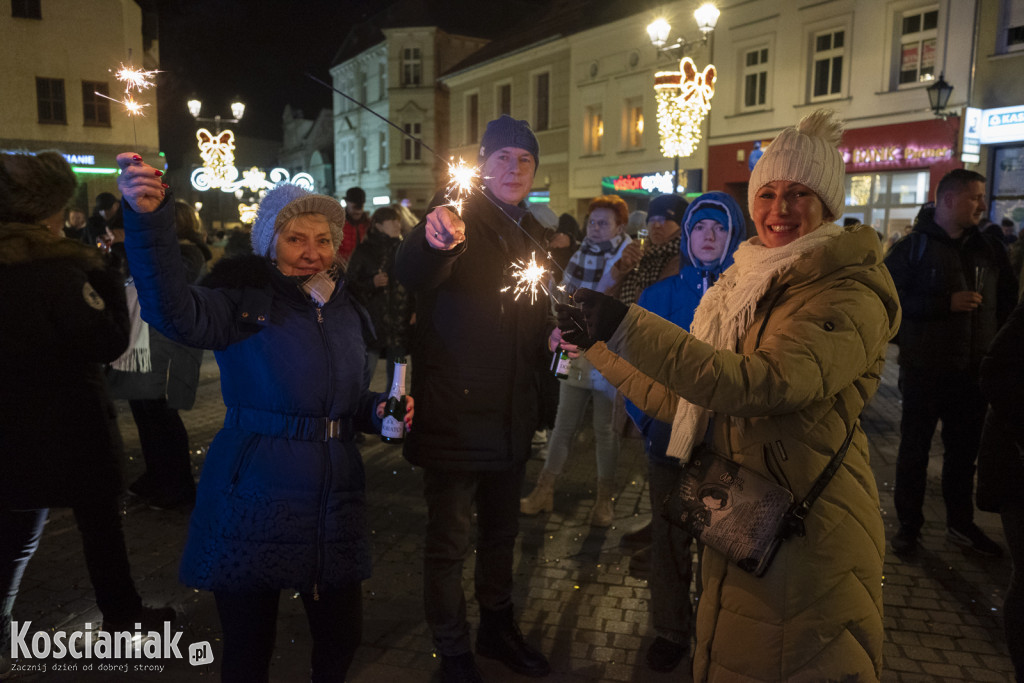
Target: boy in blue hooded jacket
713,227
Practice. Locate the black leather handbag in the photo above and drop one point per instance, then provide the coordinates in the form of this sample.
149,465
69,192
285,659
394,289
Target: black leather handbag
737,511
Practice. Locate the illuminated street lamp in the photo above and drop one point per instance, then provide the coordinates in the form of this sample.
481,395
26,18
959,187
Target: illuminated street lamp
938,96
683,96
237,112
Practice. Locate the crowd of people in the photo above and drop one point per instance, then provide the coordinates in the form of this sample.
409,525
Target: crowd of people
758,337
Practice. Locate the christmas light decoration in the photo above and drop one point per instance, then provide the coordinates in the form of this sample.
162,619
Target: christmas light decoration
218,170
684,99
247,212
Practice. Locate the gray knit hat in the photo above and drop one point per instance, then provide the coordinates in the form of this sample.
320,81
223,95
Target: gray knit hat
286,201
506,131
806,154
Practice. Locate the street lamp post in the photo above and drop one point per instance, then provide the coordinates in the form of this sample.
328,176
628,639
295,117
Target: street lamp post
675,112
195,106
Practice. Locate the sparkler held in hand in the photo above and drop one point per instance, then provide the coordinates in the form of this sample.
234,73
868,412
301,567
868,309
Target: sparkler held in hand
133,79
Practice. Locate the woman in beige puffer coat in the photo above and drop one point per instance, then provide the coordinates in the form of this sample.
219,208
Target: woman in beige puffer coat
782,359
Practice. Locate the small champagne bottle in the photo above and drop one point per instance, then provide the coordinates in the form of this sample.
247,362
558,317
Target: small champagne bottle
393,428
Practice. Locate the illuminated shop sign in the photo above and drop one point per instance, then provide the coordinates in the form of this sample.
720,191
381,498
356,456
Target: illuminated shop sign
896,155
81,159
1005,124
651,183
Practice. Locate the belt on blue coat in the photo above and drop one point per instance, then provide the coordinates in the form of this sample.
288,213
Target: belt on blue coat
289,426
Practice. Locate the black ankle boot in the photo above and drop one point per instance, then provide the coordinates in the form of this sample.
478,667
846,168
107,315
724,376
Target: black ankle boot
500,638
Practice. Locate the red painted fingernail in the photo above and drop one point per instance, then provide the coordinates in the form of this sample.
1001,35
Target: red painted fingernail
136,157
159,173
164,185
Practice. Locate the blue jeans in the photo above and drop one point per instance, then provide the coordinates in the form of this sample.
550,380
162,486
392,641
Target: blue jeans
451,497
572,404
20,531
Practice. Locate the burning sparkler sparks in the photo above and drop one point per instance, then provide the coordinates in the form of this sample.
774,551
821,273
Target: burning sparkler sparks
139,79
529,277
461,177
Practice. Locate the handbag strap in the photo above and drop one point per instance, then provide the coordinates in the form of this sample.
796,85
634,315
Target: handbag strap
794,520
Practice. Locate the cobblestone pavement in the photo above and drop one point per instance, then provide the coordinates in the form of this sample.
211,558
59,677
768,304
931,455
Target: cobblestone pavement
574,593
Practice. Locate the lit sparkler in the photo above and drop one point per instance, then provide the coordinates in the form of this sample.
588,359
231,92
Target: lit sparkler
131,106
140,79
528,277
461,177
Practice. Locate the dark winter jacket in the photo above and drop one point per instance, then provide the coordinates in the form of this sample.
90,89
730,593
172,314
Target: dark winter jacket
62,315
389,307
928,267
278,505
475,347
1001,456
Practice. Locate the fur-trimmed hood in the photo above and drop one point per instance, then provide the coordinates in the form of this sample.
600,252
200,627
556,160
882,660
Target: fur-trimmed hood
23,243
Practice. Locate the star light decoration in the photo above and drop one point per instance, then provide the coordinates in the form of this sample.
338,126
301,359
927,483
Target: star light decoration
684,99
219,172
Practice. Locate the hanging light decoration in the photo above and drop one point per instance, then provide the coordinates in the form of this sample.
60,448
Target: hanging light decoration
684,99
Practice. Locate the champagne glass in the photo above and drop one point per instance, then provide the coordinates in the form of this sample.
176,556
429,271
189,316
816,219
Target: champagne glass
641,238
979,278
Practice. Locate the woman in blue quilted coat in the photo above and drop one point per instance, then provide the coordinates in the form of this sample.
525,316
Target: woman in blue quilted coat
281,502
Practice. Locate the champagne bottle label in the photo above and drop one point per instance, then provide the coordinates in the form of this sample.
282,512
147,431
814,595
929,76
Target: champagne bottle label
393,428
562,364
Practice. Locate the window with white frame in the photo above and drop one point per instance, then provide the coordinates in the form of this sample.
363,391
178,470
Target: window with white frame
1011,28
382,80
541,100
412,66
756,66
593,129
364,154
827,58
918,32
411,150
633,123
472,118
382,143
503,99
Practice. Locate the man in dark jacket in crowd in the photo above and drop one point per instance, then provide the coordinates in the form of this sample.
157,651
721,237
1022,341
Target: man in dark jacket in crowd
474,353
956,289
103,213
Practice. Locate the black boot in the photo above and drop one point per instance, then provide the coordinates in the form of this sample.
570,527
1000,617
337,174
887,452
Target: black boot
500,638
458,669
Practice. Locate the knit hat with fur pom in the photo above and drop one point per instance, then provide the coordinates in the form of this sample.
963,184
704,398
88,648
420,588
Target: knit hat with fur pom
806,154
286,201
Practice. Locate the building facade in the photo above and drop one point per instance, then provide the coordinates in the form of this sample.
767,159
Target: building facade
396,77
308,147
54,58
871,63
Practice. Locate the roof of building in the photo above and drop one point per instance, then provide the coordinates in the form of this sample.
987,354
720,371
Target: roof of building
560,18
456,17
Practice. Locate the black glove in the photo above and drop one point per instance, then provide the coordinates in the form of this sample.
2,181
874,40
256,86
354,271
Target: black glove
573,326
602,313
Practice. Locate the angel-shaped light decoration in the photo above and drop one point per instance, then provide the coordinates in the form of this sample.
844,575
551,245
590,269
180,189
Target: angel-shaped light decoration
684,99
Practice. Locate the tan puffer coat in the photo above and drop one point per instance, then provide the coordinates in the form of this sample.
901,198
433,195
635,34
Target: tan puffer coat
789,398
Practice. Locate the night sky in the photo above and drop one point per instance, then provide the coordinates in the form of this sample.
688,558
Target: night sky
255,50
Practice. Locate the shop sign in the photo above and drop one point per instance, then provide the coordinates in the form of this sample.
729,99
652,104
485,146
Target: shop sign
896,155
970,146
651,183
1005,124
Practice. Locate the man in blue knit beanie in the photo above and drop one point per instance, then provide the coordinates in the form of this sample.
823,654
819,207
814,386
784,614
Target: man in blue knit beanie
476,350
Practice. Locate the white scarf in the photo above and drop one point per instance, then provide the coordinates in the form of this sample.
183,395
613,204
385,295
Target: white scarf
727,310
137,357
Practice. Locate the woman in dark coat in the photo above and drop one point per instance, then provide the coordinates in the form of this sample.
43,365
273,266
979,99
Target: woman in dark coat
64,315
281,501
1001,464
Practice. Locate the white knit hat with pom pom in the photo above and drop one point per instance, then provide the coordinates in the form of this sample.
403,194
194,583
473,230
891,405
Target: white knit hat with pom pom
806,154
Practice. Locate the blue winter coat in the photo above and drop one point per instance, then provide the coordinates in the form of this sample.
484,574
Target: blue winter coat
675,299
278,505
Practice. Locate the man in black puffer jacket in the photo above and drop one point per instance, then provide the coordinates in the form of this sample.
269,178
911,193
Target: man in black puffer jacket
956,289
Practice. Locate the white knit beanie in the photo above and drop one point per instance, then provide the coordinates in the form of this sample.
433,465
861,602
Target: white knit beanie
806,154
283,203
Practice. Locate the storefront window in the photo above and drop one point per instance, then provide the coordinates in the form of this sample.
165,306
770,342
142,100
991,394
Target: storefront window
1007,185
886,201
